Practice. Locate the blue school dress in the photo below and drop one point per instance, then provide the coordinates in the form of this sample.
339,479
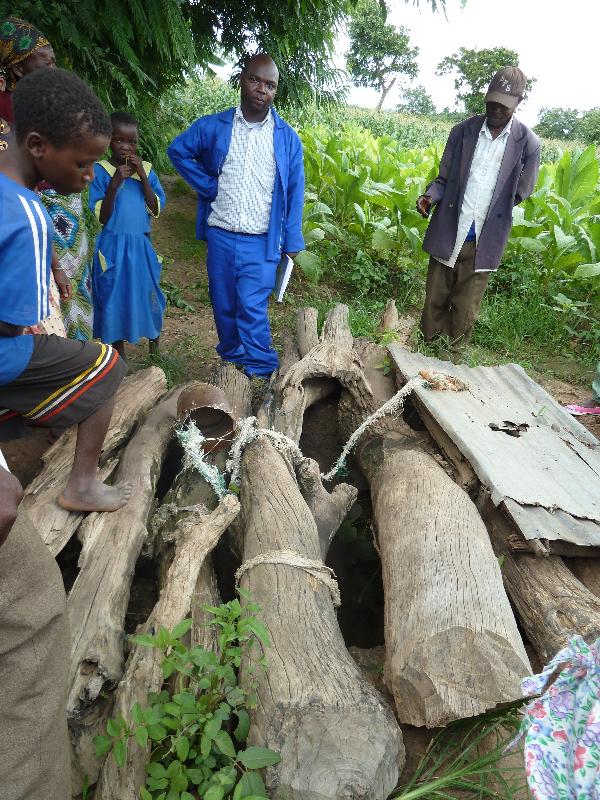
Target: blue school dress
128,301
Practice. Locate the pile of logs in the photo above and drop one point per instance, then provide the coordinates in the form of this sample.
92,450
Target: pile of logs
453,648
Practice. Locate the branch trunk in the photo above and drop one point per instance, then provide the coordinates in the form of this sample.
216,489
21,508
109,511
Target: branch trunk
384,93
336,736
196,537
452,645
100,595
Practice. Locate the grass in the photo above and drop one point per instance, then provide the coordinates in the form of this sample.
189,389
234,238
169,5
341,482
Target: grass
468,759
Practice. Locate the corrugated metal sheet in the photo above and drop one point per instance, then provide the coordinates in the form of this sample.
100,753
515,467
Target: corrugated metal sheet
552,470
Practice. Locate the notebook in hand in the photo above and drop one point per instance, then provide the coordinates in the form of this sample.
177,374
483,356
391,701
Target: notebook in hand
282,276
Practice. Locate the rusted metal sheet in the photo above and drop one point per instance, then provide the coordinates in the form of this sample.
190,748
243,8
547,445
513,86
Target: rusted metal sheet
534,458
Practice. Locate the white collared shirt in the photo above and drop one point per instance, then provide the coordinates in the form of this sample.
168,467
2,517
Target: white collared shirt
245,190
3,461
483,176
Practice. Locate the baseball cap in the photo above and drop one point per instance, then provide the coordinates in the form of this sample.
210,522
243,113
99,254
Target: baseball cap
507,87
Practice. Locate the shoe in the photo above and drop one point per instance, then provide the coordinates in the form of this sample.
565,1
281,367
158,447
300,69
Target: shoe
582,411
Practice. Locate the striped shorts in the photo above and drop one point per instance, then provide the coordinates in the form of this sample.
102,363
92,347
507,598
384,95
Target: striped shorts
65,382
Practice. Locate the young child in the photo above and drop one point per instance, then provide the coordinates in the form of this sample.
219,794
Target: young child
61,128
128,301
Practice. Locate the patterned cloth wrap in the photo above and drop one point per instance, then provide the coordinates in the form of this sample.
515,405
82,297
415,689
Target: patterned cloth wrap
71,243
18,40
562,726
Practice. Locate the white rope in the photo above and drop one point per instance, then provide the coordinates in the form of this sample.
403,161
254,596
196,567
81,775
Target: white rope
194,456
246,431
290,558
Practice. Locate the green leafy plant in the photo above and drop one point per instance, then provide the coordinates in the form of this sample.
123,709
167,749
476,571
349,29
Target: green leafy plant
174,296
197,726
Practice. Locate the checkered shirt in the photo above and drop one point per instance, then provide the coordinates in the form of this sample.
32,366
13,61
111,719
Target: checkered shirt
245,193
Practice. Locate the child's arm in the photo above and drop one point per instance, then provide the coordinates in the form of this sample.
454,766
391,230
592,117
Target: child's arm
122,172
149,194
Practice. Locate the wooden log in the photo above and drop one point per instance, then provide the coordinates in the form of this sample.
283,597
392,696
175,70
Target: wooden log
328,509
551,603
98,600
196,536
390,320
136,396
336,736
452,645
321,369
586,570
307,335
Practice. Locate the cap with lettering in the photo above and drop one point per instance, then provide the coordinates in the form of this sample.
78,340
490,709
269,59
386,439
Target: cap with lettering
507,87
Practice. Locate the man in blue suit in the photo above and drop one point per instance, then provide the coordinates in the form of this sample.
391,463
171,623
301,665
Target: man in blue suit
246,166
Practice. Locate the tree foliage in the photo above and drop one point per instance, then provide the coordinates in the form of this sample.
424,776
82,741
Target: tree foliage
558,123
417,101
589,127
378,52
473,71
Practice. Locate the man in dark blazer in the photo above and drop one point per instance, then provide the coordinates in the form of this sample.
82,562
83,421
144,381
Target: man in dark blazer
490,163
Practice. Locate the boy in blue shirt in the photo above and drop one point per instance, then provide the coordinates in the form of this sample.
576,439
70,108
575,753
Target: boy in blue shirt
61,128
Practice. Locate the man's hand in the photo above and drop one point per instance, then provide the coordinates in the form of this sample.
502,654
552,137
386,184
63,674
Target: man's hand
10,497
63,283
122,172
138,166
424,205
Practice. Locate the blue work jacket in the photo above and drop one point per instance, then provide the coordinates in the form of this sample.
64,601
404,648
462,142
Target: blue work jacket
199,153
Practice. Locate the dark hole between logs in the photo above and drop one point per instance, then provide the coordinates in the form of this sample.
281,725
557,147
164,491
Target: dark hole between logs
352,554
67,561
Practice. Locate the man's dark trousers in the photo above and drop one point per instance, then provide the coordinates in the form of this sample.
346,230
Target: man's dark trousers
453,297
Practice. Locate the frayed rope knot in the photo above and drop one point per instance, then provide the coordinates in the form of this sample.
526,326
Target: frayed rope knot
290,558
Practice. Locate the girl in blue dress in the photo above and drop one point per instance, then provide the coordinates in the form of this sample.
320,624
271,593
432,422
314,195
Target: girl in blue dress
128,301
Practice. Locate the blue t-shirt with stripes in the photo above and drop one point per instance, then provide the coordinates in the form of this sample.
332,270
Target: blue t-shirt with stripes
25,259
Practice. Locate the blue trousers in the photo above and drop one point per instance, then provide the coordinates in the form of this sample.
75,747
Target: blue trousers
240,280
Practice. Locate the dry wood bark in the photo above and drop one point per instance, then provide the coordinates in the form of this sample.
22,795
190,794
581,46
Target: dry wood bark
98,600
336,736
452,645
136,396
587,570
196,536
307,334
328,362
551,603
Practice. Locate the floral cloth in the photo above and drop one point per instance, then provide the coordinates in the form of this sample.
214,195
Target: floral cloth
562,727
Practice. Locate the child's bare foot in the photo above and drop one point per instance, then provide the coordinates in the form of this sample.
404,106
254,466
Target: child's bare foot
96,497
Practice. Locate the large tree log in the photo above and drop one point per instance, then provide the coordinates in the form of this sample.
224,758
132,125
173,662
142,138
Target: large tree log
336,736
196,536
99,597
551,603
587,570
136,396
328,363
452,645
